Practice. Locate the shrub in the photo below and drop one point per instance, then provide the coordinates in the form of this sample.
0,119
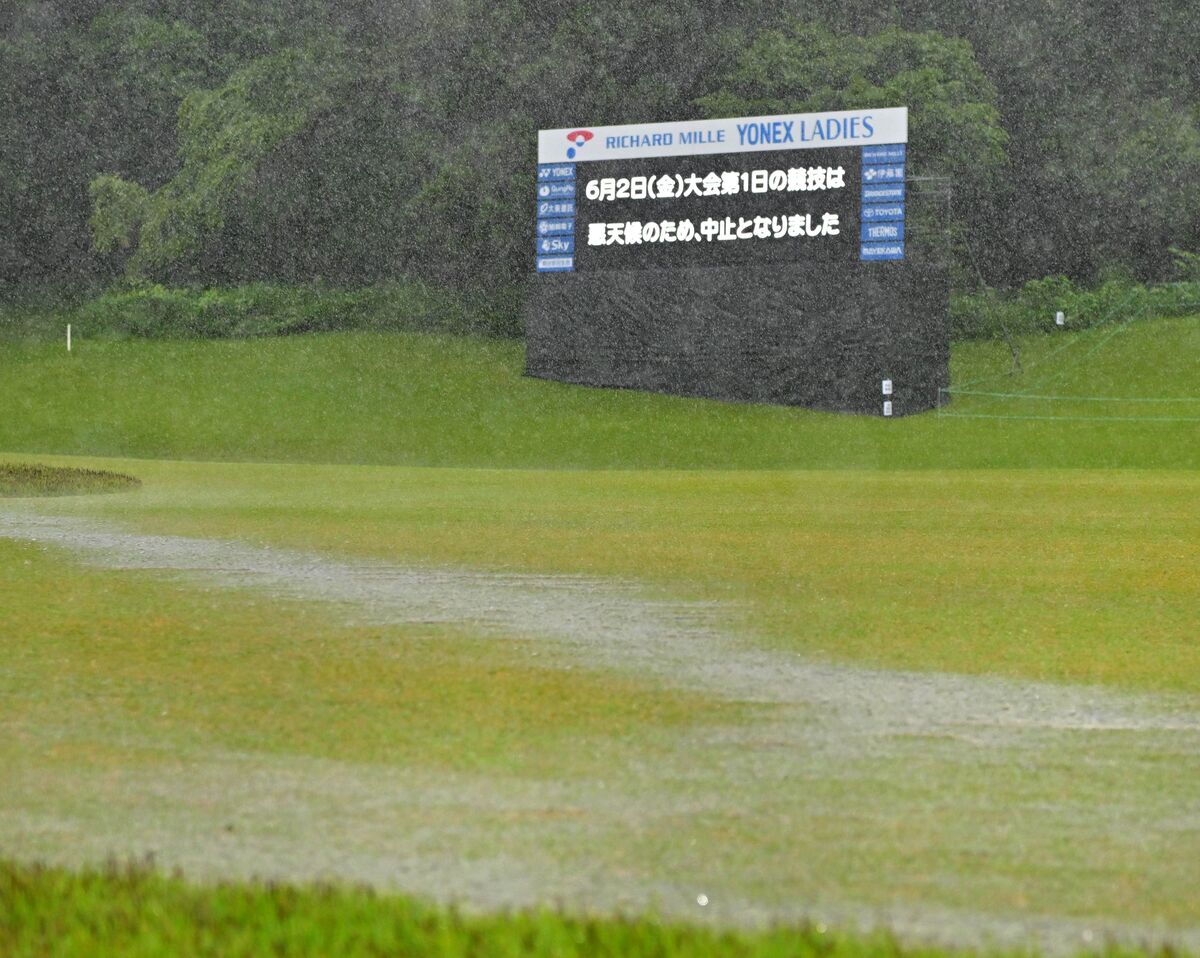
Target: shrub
154,311
991,314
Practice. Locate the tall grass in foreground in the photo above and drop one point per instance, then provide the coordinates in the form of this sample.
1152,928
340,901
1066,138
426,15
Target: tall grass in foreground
133,911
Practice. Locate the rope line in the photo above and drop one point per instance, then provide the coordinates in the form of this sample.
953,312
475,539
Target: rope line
1076,340
951,390
1112,333
970,415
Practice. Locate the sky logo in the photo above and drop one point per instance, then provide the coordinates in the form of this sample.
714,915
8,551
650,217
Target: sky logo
579,138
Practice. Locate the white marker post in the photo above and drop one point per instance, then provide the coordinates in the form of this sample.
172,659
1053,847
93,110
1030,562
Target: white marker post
1060,318
68,337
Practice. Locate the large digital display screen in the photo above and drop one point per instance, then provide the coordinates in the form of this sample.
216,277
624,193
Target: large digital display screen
779,189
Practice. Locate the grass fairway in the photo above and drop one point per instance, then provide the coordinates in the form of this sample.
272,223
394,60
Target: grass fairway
1070,576
239,733
183,668
453,401
236,728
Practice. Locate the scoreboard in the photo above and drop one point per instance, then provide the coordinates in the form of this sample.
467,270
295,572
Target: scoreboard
639,227
780,189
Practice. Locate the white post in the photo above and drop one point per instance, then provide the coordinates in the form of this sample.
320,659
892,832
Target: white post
1060,319
68,337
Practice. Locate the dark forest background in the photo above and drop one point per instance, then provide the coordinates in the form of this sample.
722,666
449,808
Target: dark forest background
350,142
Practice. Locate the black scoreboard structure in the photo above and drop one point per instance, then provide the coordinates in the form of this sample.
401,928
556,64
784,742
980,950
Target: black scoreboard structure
755,259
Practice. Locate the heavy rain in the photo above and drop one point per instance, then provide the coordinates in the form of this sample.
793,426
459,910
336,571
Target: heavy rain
599,478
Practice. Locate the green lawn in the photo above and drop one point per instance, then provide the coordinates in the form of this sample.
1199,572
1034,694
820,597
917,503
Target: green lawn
187,668
234,733
223,728
130,912
452,401
1070,576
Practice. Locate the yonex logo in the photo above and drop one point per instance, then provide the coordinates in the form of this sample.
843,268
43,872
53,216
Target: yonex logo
579,138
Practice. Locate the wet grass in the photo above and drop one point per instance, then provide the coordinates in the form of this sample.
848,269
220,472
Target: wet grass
238,734
1067,576
925,543
421,399
130,911
186,667
29,480
229,728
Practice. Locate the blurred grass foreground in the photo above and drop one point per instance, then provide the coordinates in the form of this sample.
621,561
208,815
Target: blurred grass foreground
132,911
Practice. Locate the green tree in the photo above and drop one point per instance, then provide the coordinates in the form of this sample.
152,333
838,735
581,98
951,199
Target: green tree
118,210
954,126
224,135
1144,200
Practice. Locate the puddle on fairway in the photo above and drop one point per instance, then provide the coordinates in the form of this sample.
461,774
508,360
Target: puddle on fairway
613,625
1066,776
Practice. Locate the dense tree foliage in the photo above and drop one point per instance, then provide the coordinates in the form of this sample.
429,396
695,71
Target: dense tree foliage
290,140
955,133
